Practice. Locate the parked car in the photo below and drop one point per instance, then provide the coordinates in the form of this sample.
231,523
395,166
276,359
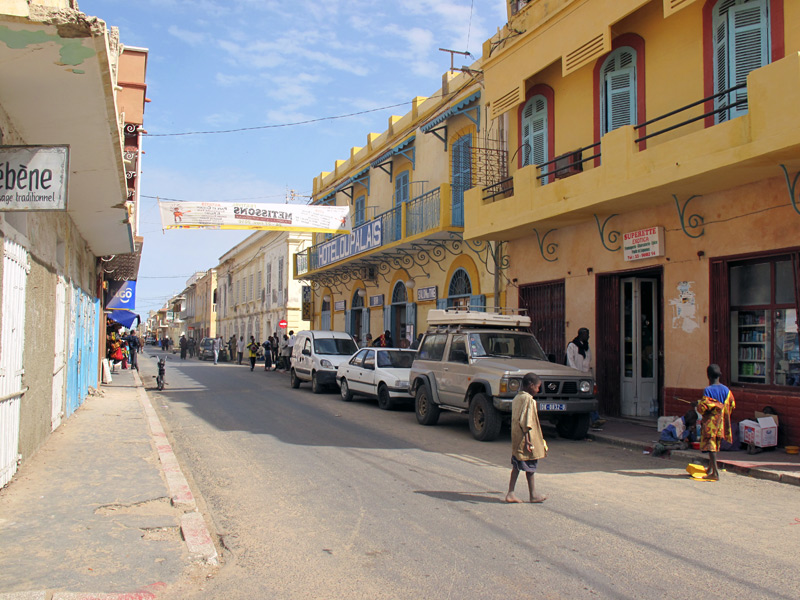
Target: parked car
316,356
150,340
473,362
205,351
380,373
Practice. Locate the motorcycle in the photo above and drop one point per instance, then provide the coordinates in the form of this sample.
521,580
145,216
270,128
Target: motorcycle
162,370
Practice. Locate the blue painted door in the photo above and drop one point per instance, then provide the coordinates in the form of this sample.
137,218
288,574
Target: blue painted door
461,179
401,186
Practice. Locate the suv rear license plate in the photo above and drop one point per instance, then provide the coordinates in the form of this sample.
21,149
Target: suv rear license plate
552,406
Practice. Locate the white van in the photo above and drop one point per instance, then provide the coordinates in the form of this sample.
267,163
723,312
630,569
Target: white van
316,356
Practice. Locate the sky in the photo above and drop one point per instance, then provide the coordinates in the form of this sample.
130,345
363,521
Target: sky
217,65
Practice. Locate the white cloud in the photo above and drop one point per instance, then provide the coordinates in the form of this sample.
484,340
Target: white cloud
193,38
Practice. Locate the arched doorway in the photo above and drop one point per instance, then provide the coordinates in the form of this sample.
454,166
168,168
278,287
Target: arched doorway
400,317
357,320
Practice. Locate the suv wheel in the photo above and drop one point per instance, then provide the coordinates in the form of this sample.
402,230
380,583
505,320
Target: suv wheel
344,389
573,427
316,388
427,412
484,419
295,380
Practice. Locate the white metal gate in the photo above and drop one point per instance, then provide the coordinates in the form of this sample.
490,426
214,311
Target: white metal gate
60,360
12,344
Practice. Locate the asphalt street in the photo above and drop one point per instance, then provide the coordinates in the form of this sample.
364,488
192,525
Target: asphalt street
312,497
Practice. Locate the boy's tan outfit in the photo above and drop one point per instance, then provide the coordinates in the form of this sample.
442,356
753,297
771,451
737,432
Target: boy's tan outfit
525,418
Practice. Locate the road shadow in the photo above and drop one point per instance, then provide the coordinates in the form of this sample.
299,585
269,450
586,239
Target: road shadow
474,498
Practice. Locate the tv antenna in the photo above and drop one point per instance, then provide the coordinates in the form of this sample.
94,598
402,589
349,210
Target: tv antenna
452,61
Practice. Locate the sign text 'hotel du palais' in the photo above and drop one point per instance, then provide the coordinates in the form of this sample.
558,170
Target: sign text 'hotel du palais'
365,237
33,177
645,243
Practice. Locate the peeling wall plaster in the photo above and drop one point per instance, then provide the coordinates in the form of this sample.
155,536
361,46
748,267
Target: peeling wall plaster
684,309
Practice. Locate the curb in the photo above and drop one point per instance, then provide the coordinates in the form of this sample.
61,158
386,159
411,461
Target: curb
147,593
754,472
193,527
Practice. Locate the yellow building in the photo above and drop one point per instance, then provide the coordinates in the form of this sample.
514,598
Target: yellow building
405,187
653,194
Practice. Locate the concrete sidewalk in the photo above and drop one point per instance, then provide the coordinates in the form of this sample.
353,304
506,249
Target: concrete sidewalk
102,510
771,464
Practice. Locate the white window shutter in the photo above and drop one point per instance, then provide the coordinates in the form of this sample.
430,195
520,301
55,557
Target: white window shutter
534,132
621,98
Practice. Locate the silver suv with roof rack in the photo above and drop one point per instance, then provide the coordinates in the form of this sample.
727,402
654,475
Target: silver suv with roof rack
473,362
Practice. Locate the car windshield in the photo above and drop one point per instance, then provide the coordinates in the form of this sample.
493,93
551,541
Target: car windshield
339,346
395,359
506,344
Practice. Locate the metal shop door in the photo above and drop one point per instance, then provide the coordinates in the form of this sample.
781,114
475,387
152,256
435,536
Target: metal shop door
639,347
60,359
12,345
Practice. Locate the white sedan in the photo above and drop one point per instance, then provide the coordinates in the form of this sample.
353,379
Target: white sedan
380,373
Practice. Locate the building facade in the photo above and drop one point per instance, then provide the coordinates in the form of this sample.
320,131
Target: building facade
407,253
254,290
59,73
653,193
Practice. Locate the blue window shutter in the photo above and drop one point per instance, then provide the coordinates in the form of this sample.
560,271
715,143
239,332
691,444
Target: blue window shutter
348,326
534,131
387,319
360,212
478,303
749,46
618,91
441,303
411,317
461,177
364,323
401,188
720,32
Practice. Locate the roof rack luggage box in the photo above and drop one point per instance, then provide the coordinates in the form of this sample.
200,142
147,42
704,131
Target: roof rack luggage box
476,319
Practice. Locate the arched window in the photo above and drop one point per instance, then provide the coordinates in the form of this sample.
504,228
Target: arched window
460,289
741,43
358,301
618,100
399,294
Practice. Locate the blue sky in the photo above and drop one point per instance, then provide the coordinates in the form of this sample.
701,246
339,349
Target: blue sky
229,64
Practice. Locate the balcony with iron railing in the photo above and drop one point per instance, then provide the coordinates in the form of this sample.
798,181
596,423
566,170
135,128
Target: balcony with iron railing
682,153
427,214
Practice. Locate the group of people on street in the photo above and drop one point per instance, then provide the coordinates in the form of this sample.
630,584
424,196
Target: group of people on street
276,351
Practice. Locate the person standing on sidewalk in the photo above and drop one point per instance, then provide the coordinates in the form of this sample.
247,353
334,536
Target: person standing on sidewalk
215,348
579,357
527,441
715,408
240,349
268,354
253,349
134,345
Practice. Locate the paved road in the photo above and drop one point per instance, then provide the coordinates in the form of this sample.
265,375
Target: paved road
316,498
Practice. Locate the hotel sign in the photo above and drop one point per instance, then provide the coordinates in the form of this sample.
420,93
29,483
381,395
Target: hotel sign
365,237
644,243
33,177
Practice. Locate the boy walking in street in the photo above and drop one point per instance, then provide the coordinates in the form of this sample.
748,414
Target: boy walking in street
715,407
527,442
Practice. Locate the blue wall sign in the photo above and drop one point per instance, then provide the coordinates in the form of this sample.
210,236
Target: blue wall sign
364,237
376,300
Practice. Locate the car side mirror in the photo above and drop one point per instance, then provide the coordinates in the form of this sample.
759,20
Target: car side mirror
551,357
306,352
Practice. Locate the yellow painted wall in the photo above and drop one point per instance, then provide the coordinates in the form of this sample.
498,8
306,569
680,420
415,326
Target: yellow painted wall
743,220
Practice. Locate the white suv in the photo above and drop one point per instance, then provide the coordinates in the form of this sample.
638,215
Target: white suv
316,356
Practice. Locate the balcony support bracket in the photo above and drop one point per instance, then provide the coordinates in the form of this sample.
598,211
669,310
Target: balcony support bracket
549,249
613,236
794,193
694,221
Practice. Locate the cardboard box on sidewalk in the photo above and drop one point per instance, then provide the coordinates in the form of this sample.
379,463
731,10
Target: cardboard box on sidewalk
762,433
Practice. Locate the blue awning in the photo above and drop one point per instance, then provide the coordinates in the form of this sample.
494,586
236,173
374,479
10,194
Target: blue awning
357,178
453,110
399,149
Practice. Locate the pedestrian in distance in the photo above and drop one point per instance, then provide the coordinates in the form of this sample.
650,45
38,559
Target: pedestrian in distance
276,343
268,353
192,343
286,353
579,356
215,345
184,344
134,345
240,348
368,340
252,347
527,441
415,344
715,408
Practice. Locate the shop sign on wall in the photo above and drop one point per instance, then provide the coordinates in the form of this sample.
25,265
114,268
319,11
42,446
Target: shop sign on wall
376,300
306,302
339,305
644,243
427,294
33,177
